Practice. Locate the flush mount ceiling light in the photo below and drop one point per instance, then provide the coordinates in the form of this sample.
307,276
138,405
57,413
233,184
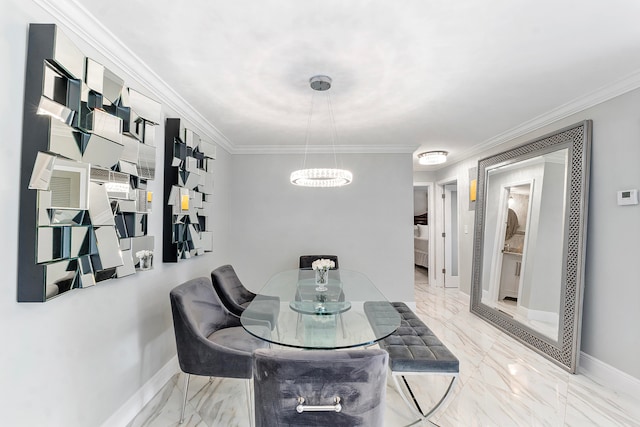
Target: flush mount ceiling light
432,157
321,177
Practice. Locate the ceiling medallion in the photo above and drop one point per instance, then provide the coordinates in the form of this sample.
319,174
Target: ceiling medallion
321,177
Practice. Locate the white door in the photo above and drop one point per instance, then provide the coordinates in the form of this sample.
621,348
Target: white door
451,250
432,217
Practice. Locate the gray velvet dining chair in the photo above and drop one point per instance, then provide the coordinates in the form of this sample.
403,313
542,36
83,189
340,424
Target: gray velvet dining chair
209,339
236,297
337,388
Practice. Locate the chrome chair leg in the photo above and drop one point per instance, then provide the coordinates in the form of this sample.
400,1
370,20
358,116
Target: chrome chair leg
184,399
250,403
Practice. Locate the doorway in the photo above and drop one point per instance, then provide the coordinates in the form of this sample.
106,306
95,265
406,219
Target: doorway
424,230
507,270
447,241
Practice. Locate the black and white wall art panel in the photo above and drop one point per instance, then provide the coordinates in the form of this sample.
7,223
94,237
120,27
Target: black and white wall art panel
188,193
87,155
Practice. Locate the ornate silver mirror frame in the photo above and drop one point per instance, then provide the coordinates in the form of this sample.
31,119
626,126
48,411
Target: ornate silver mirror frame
576,140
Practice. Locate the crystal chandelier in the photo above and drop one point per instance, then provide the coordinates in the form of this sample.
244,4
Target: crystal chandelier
321,177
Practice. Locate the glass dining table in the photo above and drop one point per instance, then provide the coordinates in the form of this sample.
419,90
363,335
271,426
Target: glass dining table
310,316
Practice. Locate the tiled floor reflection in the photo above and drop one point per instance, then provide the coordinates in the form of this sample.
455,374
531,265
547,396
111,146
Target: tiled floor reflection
502,383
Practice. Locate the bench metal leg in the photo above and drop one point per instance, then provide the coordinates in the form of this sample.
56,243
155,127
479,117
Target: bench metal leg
415,407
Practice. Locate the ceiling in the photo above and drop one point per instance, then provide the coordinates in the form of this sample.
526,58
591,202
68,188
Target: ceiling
407,75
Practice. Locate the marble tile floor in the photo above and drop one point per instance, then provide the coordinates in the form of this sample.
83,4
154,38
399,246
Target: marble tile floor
501,383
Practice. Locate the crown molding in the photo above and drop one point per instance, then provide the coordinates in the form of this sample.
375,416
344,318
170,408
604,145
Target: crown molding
74,18
322,149
604,93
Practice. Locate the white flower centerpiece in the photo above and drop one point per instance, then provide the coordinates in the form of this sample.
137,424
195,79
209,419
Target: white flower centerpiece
322,267
146,259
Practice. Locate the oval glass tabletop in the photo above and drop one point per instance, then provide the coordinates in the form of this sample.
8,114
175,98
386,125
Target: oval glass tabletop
348,312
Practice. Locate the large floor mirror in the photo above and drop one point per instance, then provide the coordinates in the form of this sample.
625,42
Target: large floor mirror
529,246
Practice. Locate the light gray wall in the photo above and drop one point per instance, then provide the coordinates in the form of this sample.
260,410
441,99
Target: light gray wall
368,224
424,176
611,294
420,205
454,231
77,359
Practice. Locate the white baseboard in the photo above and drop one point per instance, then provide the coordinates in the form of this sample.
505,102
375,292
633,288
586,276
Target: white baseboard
134,405
539,315
607,375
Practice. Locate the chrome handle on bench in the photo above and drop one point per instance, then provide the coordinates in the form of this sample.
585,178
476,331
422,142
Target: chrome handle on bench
318,408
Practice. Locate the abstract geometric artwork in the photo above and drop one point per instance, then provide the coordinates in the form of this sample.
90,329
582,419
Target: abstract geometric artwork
188,190
87,155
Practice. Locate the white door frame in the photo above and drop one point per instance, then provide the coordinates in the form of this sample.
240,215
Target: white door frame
439,259
431,222
495,272
451,281
496,267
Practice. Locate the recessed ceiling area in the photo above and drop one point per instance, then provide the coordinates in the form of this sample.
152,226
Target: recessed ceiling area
408,76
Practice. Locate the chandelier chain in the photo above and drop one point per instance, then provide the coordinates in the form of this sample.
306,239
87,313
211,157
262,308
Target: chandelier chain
334,131
321,177
306,137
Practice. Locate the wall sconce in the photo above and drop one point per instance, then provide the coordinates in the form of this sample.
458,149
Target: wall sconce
473,190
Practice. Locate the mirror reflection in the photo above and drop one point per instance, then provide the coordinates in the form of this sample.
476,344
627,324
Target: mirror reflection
523,246
530,228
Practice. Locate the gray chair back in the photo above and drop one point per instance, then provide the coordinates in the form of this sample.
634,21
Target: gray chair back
236,298
209,339
357,377
306,261
305,264
232,292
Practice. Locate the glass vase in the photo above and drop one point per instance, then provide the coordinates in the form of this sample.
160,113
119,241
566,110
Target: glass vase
146,262
322,279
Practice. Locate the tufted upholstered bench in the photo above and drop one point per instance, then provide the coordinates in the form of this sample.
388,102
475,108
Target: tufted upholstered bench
413,350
